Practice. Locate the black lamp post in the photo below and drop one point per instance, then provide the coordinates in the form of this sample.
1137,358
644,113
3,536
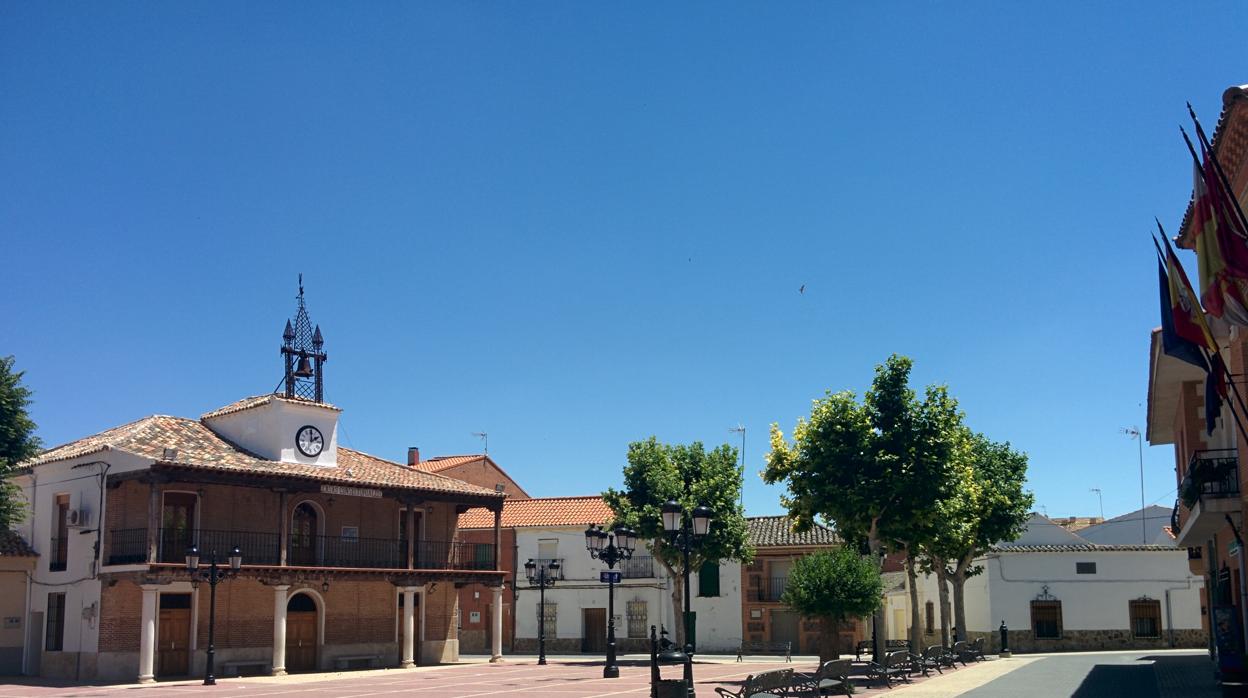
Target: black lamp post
212,575
685,530
542,576
611,548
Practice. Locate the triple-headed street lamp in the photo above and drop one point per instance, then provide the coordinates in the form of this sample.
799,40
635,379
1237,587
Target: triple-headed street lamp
611,548
685,530
212,575
542,576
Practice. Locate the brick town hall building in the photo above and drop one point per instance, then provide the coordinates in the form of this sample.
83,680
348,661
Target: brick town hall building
348,560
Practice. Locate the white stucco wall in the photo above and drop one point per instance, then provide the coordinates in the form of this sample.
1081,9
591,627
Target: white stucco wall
1091,601
269,430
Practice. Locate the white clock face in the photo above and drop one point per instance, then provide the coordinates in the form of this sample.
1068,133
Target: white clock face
309,441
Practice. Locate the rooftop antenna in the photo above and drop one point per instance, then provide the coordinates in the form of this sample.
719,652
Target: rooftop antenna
485,438
1100,501
1134,433
740,429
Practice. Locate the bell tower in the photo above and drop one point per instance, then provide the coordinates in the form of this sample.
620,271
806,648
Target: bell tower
303,356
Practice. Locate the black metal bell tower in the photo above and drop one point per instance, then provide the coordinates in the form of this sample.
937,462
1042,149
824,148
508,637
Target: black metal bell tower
303,355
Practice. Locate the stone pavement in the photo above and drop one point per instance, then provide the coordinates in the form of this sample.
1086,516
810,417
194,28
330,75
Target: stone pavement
1139,674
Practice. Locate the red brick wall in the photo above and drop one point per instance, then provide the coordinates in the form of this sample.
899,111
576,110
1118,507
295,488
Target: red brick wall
479,597
121,606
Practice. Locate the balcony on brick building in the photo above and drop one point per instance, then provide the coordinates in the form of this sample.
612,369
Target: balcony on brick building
1208,492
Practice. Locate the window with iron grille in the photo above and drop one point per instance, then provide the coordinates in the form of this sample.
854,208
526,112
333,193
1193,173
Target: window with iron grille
637,613
551,616
1145,618
55,640
1046,619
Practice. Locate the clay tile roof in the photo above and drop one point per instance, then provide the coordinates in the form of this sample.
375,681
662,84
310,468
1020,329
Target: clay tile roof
542,512
198,447
778,530
1084,548
248,403
440,463
13,545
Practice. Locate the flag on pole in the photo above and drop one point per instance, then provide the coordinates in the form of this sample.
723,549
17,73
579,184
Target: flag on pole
1189,317
1172,344
1221,250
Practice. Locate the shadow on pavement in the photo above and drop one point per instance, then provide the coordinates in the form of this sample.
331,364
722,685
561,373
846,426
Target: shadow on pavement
1113,680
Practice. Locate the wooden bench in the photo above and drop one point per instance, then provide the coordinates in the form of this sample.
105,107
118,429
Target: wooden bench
769,683
351,661
766,647
235,668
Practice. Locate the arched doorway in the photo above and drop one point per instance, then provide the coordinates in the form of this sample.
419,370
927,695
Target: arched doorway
303,530
301,632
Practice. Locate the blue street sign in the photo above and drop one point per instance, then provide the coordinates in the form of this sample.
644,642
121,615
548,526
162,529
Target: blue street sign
611,577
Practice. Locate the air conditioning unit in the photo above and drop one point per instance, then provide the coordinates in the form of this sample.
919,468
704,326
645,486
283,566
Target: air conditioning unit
77,517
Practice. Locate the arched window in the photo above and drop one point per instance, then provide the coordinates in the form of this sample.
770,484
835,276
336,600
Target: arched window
931,618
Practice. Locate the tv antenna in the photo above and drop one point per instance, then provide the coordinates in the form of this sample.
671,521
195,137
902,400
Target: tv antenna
485,439
1100,501
740,429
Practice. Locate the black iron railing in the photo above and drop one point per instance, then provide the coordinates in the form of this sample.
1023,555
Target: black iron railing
640,567
1174,519
772,589
1210,474
129,546
60,555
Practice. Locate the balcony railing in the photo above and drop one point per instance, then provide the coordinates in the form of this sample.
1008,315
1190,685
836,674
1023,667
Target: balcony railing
1210,474
640,567
60,550
772,589
129,546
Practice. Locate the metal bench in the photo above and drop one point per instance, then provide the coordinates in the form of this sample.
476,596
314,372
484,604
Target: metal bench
961,650
932,658
235,668
769,684
864,646
370,661
896,666
766,647
831,676
977,649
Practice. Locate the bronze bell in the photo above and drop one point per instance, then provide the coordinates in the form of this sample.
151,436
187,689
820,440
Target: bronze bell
304,370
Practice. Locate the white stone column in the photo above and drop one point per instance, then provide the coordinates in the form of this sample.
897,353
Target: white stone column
147,633
409,628
279,629
496,618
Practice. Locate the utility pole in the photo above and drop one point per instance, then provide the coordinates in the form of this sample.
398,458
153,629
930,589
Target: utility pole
1134,433
740,429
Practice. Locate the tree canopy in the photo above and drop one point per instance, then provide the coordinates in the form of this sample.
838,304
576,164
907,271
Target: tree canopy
17,437
838,584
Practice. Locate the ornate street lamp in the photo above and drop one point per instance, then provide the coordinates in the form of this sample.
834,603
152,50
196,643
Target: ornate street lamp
541,575
212,575
685,530
611,548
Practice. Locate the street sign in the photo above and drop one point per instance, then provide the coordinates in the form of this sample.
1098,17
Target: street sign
610,577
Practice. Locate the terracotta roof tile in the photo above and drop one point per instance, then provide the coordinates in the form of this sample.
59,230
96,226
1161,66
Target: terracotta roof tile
542,512
1084,548
765,531
13,545
198,447
440,463
248,403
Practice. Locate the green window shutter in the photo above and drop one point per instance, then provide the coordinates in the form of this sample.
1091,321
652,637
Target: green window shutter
708,579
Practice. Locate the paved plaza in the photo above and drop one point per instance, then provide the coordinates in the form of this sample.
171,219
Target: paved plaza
1082,675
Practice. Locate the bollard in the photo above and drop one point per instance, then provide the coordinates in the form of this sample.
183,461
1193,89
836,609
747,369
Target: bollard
654,664
1005,640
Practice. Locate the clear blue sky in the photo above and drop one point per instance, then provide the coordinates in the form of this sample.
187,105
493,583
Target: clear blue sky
575,225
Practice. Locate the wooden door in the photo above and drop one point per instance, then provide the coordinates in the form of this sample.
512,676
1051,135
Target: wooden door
301,633
303,530
785,628
595,637
173,656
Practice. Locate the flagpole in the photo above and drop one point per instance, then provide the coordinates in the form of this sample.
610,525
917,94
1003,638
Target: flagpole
1217,166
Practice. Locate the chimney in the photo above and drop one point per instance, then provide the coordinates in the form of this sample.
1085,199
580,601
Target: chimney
413,455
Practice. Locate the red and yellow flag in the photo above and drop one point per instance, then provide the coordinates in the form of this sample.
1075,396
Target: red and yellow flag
1221,250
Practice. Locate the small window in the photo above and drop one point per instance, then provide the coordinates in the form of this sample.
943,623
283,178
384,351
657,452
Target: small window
1145,618
1085,568
930,609
637,612
55,641
1046,620
708,578
350,534
59,559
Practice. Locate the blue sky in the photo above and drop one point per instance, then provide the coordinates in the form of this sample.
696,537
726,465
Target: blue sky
573,225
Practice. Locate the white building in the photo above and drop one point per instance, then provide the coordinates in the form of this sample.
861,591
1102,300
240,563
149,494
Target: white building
1056,591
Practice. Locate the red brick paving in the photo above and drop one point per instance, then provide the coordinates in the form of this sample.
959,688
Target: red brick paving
520,677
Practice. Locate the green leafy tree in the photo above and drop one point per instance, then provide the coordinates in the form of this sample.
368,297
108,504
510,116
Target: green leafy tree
833,586
17,438
875,469
691,475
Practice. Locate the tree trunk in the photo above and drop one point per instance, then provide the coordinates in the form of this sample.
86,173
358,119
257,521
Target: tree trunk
915,629
678,632
830,640
959,597
942,578
878,620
